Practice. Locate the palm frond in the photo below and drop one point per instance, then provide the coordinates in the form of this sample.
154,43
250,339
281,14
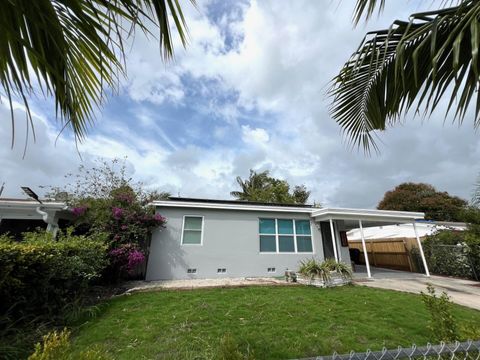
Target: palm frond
73,49
412,62
366,8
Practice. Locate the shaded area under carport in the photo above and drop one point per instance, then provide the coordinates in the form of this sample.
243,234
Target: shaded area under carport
361,273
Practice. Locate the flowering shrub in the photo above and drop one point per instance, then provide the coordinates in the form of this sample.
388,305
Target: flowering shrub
122,216
124,260
79,211
127,257
117,213
128,225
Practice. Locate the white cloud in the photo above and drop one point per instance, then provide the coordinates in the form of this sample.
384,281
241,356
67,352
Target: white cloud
255,136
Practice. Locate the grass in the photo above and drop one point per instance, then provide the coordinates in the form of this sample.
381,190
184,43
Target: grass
276,322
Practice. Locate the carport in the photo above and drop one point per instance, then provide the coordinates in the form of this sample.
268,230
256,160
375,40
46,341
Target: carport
341,220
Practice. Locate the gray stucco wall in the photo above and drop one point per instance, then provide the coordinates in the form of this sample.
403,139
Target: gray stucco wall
230,241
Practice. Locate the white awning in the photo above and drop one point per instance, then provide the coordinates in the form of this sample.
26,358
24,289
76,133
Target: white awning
369,217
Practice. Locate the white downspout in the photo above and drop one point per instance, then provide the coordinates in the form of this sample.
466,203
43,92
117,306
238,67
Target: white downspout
51,227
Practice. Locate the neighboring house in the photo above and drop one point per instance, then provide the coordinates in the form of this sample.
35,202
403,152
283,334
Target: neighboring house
223,238
21,215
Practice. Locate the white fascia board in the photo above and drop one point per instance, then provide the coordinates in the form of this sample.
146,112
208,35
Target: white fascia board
12,204
366,214
318,214
246,207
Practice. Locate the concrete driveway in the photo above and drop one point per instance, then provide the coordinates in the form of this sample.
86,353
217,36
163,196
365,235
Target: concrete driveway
463,292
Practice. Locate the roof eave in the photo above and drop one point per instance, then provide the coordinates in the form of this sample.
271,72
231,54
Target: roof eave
366,214
244,207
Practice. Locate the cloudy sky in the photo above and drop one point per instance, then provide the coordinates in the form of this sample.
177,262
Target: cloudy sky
247,93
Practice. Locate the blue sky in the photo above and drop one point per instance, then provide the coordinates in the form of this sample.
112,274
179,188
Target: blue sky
248,92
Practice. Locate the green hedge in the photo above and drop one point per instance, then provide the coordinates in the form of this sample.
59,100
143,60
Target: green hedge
453,253
39,275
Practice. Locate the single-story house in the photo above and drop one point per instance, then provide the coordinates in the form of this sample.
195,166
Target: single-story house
21,215
225,238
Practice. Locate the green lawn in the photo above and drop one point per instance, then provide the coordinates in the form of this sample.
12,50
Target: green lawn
276,322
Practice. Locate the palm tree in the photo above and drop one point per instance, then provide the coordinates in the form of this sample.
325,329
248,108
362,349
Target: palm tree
411,65
252,188
73,50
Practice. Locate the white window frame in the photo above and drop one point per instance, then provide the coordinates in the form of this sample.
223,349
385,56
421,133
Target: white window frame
277,236
262,234
201,231
311,239
292,235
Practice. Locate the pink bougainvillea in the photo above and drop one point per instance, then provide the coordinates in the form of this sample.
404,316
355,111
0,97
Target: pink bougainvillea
117,212
126,257
159,218
79,210
135,258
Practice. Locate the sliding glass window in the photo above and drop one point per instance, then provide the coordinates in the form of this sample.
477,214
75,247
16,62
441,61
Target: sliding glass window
285,236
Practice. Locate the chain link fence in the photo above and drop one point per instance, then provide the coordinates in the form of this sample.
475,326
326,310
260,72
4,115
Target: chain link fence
468,350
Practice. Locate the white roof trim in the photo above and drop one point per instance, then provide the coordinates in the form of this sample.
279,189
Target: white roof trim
347,214
317,213
15,204
246,207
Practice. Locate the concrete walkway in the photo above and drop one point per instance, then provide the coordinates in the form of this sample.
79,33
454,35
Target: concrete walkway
463,292
138,286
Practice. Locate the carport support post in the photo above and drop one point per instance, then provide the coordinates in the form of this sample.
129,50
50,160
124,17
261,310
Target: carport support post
421,250
364,249
332,231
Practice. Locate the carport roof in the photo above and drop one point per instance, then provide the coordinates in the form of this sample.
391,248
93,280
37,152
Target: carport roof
380,216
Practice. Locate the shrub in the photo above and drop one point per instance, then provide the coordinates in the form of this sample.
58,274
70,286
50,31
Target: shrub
128,224
124,261
315,269
56,346
121,215
442,324
453,253
339,267
39,276
312,269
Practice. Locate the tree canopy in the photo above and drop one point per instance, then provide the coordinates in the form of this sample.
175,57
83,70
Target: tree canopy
413,64
261,187
436,205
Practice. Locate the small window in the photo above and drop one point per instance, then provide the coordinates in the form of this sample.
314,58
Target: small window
267,226
304,244
221,270
191,271
302,227
285,227
192,230
286,243
268,243
271,270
